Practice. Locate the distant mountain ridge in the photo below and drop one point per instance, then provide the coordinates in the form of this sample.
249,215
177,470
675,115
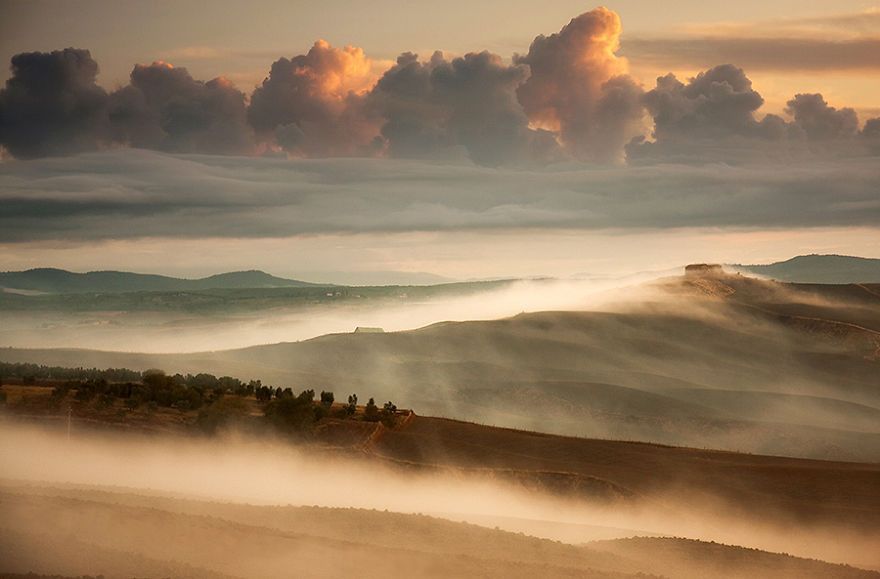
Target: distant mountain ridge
816,268
51,280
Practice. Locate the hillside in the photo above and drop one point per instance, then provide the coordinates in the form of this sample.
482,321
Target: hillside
59,281
811,351
828,493
832,269
563,488
616,472
116,534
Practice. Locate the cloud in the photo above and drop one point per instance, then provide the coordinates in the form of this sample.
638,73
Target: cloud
165,109
714,118
709,118
465,107
848,43
821,121
51,104
827,55
126,194
569,98
312,104
577,86
871,135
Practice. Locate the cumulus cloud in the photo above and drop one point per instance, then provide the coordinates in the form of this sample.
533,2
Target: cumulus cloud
871,135
130,193
464,107
569,98
714,118
312,104
707,118
821,121
165,109
577,86
51,104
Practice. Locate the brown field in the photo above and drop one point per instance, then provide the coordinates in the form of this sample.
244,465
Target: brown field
122,534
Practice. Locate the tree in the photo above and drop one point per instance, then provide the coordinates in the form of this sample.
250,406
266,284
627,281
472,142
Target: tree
327,399
291,415
389,414
352,404
221,413
371,411
156,379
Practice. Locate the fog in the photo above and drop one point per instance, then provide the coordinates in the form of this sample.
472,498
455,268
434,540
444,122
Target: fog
176,332
239,470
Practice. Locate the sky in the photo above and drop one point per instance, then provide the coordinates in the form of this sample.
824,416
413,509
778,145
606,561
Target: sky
240,39
356,142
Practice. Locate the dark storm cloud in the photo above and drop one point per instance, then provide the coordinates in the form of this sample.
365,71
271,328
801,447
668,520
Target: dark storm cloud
129,193
577,87
165,109
51,104
463,107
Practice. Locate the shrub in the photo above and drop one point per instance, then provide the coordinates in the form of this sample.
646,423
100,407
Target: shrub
371,411
221,413
388,415
105,401
292,415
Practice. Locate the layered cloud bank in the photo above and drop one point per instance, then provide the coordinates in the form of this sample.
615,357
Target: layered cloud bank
569,98
127,194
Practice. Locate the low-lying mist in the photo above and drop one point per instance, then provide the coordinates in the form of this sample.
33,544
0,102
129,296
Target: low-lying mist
165,331
235,469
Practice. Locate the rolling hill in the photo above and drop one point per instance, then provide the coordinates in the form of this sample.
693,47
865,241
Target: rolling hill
59,281
833,269
60,531
694,362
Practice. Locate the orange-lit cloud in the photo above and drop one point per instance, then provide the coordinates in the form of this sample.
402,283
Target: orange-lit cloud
570,97
579,88
313,103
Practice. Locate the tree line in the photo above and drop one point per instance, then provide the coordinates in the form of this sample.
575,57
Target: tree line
219,401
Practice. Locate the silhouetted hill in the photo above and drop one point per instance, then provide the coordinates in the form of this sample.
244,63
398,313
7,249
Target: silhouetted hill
820,269
50,280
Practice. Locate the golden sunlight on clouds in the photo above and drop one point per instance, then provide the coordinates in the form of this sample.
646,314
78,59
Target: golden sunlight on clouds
338,71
